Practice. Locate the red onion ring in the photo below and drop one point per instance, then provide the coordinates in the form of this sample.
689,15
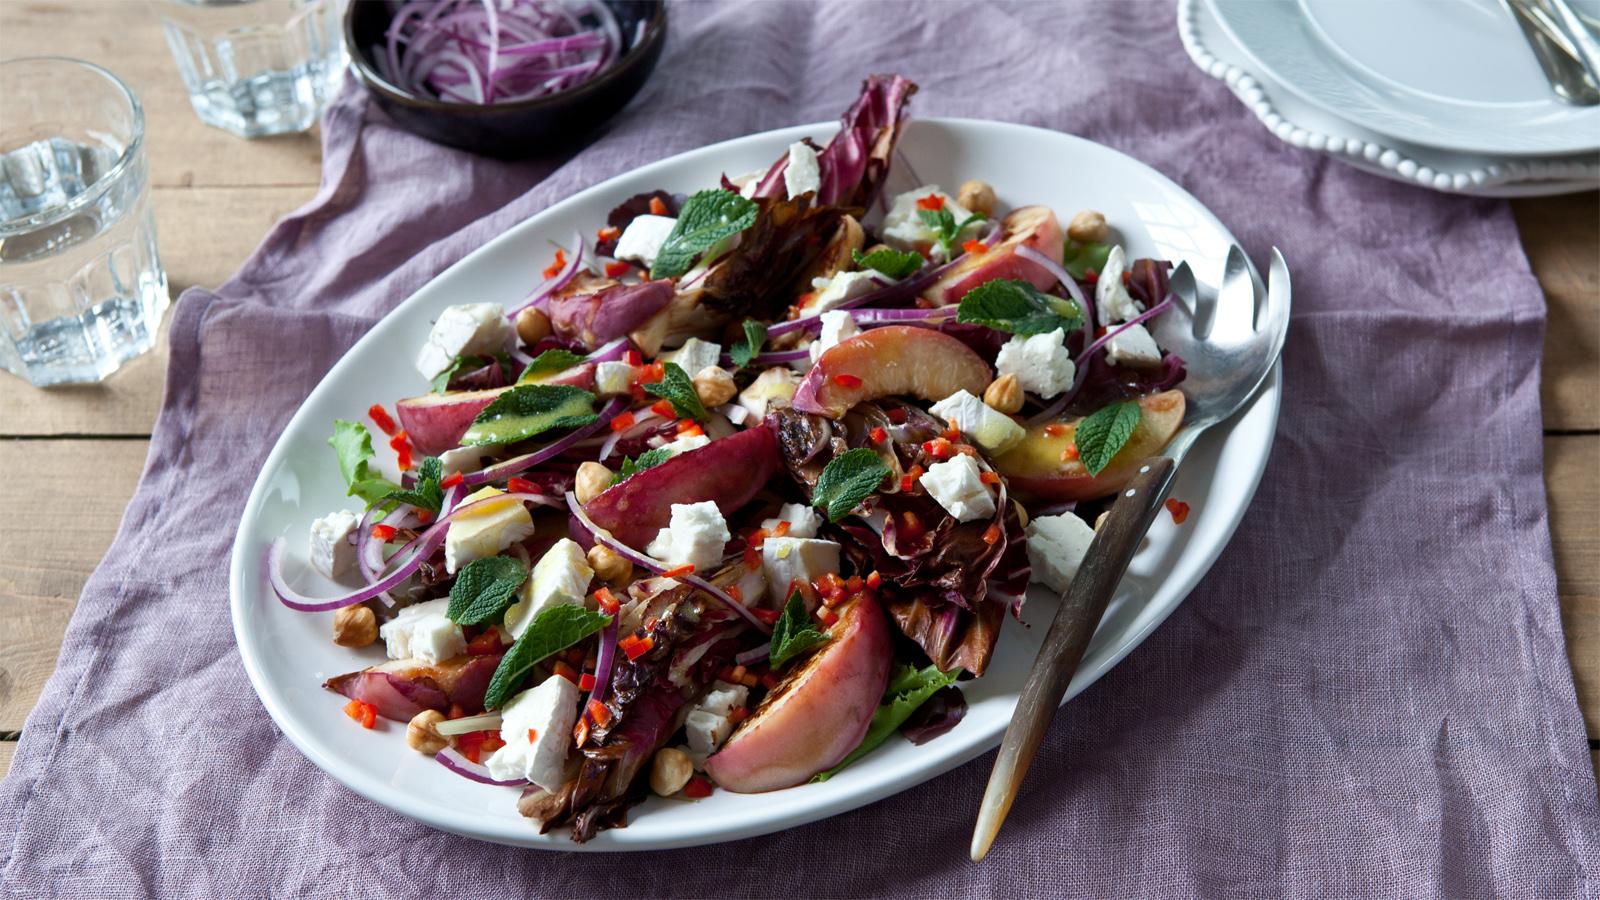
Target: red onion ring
1082,373
604,660
422,546
541,294
656,566
754,654
466,768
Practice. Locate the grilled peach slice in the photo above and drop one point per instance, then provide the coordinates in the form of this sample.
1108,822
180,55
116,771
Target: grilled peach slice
435,423
1035,467
818,713
882,362
1030,226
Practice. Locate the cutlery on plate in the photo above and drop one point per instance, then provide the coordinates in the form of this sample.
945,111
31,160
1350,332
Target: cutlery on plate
1572,77
1229,342
1577,30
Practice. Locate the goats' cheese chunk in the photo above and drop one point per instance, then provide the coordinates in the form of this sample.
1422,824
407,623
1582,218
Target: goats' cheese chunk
536,726
1056,546
957,485
471,329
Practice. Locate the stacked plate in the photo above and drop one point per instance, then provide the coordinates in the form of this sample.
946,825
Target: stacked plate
1447,95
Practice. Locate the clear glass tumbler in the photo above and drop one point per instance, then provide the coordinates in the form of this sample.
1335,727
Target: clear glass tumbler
256,67
81,286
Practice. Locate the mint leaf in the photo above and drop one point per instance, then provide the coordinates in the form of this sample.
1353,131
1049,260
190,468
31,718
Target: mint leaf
646,460
1078,258
1018,307
908,689
485,589
847,480
755,334
1104,432
706,218
945,227
426,494
793,633
548,363
677,388
528,410
441,381
552,631
352,444
893,263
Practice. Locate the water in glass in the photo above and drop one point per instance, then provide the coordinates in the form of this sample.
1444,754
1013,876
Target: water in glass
81,286
256,67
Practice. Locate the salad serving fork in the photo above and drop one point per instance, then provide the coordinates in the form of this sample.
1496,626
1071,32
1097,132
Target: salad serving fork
1229,342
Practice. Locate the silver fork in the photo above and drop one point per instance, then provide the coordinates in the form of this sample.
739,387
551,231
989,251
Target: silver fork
1229,343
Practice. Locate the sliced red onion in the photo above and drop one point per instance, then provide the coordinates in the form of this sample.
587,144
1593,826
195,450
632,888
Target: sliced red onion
541,294
487,52
604,660
1061,275
550,451
754,654
640,423
1053,410
775,358
652,564
466,768
912,316
421,547
907,289
369,552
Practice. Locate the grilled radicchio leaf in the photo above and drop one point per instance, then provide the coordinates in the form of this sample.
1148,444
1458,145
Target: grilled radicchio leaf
947,587
692,638
760,277
854,164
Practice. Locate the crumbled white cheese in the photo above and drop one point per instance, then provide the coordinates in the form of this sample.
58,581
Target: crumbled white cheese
1056,547
802,174
803,520
837,325
548,712
1041,362
723,698
560,576
957,485
772,388
695,536
485,530
989,428
1133,347
694,355
904,229
829,293
471,329
462,459
786,560
706,732
332,553
613,379
424,633
1111,297
685,444
641,241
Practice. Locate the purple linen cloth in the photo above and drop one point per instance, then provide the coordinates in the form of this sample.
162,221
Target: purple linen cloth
1368,694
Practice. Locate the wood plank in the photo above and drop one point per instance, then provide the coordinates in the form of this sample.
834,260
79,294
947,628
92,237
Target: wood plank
1572,479
126,38
7,750
1561,236
204,235
41,574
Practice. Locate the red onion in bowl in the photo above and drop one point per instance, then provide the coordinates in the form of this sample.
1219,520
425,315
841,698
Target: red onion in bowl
468,769
484,52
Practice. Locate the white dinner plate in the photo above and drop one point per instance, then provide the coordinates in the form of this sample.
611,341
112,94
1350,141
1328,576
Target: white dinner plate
288,654
1449,74
1308,127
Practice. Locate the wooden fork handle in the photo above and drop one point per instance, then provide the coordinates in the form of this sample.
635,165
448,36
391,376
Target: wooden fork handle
1075,622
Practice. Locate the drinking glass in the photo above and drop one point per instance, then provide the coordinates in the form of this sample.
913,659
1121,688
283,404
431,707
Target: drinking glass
81,286
256,67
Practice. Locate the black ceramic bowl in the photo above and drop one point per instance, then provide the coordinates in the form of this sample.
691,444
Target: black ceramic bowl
524,128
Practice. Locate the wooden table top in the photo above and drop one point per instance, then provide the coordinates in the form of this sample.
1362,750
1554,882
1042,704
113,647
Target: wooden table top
215,197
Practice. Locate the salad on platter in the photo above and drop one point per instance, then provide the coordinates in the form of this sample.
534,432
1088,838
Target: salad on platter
746,487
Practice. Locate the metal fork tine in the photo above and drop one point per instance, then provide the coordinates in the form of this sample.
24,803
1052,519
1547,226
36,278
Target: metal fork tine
1236,299
1278,292
1202,305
